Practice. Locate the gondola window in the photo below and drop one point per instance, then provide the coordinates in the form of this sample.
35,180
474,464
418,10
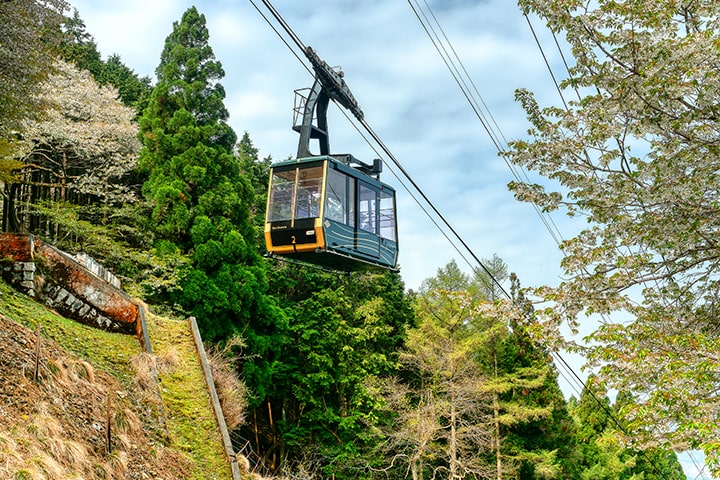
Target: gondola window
387,215
282,192
307,203
368,208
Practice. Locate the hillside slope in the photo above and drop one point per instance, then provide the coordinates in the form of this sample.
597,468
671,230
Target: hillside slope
90,382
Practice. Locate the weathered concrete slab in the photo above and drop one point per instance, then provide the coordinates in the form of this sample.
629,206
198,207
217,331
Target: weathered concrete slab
61,282
111,304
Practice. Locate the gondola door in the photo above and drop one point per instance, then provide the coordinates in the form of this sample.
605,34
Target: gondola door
294,209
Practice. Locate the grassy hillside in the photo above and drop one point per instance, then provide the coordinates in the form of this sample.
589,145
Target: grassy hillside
55,426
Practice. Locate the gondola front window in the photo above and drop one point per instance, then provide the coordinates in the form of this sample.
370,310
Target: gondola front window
309,190
282,192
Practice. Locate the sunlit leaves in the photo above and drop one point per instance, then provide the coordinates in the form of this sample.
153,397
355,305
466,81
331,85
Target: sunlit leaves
638,156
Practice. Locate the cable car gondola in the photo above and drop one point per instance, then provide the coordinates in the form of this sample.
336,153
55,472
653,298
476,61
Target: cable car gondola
329,210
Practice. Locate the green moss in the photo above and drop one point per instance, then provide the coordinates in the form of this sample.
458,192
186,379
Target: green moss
108,351
192,425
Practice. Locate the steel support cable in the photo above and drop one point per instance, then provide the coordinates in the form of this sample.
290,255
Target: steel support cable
607,411
295,39
562,97
409,191
577,92
457,76
444,220
454,72
548,222
473,101
425,198
284,24
466,75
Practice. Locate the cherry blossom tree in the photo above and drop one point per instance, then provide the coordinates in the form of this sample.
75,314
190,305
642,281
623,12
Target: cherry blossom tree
638,155
77,151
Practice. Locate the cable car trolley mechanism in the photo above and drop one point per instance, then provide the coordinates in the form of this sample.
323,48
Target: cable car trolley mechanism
329,210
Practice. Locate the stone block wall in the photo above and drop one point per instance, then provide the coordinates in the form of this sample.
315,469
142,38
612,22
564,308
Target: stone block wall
21,275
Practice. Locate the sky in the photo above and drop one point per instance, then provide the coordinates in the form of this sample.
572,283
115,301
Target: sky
408,96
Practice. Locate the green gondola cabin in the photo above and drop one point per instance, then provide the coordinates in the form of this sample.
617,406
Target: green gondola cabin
329,210
325,212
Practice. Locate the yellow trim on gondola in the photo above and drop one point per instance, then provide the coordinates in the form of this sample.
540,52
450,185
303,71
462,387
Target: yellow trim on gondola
297,247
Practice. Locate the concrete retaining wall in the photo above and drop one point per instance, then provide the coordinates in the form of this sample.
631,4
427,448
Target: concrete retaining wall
58,280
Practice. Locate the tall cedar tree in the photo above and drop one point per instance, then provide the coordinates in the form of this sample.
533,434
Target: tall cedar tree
200,200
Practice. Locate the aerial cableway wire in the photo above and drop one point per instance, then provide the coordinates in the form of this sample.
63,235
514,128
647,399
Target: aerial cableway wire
410,192
404,172
296,40
498,138
474,105
549,224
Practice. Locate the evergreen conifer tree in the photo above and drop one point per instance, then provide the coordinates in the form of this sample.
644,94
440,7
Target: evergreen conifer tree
200,200
600,452
80,48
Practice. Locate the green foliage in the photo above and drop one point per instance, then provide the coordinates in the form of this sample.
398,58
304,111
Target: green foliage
599,450
636,155
470,376
199,197
30,38
80,48
27,53
311,369
257,172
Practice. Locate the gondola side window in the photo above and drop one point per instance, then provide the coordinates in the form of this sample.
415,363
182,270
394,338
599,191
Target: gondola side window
340,198
368,208
282,193
308,192
336,201
387,215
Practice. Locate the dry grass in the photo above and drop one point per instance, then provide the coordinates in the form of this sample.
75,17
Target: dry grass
231,390
145,367
55,427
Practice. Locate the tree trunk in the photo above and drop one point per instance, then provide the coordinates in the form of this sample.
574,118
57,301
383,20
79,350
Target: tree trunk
496,416
453,441
498,457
